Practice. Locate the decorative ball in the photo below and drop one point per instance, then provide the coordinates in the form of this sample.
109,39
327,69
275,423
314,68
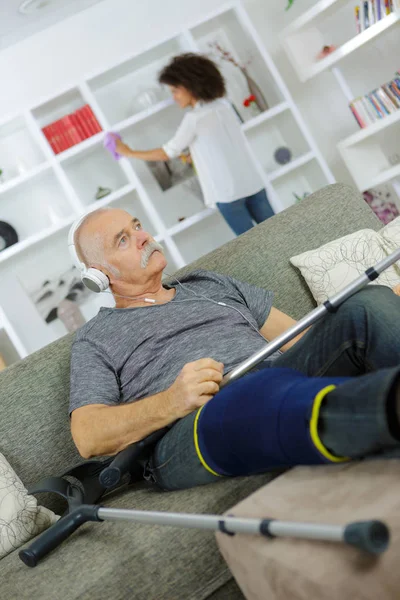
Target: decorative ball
282,155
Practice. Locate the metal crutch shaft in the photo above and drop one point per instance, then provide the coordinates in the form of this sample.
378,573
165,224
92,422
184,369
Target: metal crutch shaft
315,315
369,536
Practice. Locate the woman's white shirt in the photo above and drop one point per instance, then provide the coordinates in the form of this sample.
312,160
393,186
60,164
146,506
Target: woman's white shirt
219,151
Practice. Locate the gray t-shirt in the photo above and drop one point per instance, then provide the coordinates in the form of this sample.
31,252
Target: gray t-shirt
126,354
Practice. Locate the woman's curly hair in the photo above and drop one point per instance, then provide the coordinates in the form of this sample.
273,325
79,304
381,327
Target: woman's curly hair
197,73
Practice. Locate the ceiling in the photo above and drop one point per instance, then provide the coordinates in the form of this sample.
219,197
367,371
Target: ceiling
15,26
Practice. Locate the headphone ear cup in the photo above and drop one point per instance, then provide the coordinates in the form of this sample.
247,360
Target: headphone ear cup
95,280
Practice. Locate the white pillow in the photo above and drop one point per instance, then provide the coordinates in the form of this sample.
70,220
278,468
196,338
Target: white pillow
21,519
391,234
328,269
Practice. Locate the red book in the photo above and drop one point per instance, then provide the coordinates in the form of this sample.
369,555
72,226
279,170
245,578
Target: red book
61,135
49,137
93,122
81,120
78,127
84,122
357,116
71,132
55,137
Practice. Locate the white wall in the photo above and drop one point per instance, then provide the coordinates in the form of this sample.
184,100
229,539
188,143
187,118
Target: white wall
53,59
89,41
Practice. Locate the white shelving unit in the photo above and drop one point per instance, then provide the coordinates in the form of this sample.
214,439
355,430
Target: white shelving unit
43,193
304,38
366,153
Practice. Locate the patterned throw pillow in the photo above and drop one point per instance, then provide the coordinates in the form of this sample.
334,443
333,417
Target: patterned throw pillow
391,234
328,269
21,518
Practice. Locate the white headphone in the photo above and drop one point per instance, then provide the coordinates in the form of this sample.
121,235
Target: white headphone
93,279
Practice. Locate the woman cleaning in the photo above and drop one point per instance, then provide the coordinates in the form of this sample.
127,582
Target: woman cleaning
218,148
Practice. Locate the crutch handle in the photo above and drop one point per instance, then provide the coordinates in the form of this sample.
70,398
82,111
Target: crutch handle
371,536
111,475
57,533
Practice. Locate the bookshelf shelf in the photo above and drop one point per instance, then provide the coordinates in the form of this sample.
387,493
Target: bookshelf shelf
359,40
372,129
386,175
90,169
130,88
144,114
305,178
306,36
280,131
295,164
370,153
78,149
32,240
196,218
209,227
25,177
20,155
56,188
111,197
265,116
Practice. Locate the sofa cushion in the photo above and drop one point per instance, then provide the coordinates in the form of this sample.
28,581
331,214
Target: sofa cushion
391,234
122,560
332,266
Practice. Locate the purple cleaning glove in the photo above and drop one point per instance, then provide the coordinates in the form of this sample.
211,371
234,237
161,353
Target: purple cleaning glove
109,143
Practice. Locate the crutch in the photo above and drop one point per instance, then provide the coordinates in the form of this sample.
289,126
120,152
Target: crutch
370,536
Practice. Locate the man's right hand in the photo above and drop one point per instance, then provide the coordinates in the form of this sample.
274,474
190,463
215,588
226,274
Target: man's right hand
195,385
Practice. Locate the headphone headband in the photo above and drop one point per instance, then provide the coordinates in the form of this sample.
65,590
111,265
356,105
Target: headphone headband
93,279
71,243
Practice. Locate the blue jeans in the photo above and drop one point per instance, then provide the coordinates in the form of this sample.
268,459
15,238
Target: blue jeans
357,419
241,213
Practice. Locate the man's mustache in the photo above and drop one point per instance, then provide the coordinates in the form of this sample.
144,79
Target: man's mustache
148,250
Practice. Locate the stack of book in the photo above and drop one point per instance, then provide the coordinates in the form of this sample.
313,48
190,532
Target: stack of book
372,11
72,129
377,104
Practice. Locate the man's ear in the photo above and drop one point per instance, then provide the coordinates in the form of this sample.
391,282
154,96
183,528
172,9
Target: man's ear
101,268
108,272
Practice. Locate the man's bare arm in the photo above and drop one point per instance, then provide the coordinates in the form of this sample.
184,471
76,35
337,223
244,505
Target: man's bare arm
277,323
101,430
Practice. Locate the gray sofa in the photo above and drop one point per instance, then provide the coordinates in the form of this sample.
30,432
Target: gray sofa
121,561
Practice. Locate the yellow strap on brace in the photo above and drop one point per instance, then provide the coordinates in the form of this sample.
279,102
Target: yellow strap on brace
314,426
196,445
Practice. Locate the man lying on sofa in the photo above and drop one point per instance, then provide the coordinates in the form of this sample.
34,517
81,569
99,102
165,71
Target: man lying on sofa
157,360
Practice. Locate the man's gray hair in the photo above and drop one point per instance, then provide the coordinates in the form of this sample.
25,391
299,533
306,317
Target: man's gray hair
90,249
